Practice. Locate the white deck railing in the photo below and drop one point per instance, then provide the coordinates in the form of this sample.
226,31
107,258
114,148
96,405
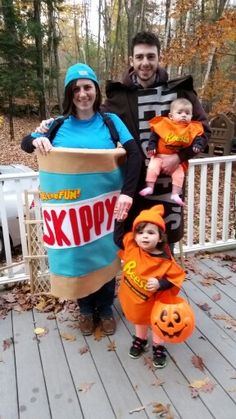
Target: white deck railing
210,220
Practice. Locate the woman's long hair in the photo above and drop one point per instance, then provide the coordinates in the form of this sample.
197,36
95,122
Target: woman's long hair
68,104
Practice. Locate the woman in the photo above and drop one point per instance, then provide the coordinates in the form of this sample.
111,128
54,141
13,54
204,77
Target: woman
84,127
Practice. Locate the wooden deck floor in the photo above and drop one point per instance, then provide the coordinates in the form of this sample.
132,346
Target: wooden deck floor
48,377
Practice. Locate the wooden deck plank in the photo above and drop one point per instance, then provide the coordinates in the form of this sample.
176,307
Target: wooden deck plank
84,372
121,393
141,376
220,267
31,387
211,330
229,287
218,402
215,362
121,384
223,307
175,387
213,309
61,389
8,386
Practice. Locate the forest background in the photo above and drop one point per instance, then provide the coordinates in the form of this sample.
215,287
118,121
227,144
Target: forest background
39,39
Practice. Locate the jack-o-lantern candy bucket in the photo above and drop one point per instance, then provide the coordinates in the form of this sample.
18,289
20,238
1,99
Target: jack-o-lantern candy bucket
172,319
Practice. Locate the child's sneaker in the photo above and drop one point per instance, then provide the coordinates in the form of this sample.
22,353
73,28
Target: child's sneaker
139,346
159,356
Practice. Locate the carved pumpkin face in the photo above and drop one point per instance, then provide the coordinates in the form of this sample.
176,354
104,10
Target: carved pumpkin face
172,319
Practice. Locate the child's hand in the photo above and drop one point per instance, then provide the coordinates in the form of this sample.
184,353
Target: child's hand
153,284
151,153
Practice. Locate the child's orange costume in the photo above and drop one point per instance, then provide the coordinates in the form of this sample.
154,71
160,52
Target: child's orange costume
136,301
174,136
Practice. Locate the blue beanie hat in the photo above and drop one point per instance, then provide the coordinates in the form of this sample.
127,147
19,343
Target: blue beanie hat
80,71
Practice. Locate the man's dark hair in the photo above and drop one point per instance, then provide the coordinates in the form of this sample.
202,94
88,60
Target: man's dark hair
68,105
145,37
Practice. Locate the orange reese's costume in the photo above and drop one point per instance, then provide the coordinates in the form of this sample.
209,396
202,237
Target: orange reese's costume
136,301
174,136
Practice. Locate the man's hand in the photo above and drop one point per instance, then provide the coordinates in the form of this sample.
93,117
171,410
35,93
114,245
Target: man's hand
44,126
153,284
122,207
170,163
43,145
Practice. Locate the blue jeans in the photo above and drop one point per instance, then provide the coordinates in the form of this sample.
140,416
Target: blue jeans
100,302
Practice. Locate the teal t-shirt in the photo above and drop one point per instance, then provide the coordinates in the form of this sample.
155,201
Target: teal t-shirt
89,133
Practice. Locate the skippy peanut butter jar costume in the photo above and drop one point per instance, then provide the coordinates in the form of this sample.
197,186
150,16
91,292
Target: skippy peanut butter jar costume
149,272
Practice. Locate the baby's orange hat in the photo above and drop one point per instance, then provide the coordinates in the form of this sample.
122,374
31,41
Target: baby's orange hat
152,215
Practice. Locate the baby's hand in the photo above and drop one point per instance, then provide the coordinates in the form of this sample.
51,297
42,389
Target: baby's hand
151,153
196,149
153,284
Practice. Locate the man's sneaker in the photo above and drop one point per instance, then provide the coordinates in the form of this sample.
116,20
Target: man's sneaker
139,346
86,324
159,356
108,325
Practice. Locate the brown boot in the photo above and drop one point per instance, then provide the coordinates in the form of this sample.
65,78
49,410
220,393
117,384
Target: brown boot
108,325
86,324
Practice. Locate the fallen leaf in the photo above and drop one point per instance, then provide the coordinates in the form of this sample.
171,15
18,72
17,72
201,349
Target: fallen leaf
9,297
163,410
158,383
191,265
51,316
111,346
230,321
67,336
7,343
207,282
85,387
148,362
216,297
159,408
208,387
138,409
83,350
194,393
199,383
197,361
204,306
98,334
40,331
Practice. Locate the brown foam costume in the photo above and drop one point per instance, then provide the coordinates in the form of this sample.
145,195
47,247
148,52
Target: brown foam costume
136,301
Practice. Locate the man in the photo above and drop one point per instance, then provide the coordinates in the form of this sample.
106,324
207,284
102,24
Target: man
144,93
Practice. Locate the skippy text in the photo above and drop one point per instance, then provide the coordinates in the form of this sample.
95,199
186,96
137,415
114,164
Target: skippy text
78,223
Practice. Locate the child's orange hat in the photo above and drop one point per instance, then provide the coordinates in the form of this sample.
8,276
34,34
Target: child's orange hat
152,215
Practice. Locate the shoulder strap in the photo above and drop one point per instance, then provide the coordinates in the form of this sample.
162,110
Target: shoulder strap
55,127
111,126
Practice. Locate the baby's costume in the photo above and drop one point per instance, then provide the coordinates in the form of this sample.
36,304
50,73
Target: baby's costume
136,301
171,137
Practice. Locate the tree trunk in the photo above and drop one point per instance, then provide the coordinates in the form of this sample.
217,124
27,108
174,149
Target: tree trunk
53,52
39,60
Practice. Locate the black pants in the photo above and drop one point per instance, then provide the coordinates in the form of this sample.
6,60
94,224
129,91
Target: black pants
99,302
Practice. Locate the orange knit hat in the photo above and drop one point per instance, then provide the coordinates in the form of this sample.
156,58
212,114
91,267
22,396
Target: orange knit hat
152,215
